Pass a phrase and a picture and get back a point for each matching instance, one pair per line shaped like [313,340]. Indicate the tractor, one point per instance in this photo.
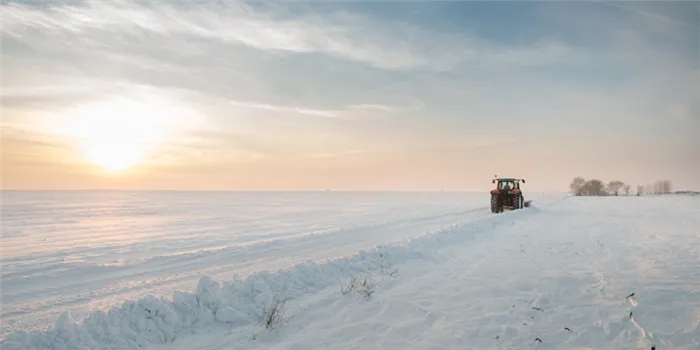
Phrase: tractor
[507,195]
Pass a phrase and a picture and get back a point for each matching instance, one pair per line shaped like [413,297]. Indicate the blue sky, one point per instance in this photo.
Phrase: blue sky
[352,95]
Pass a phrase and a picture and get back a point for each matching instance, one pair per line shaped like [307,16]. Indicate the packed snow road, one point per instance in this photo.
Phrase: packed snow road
[581,273]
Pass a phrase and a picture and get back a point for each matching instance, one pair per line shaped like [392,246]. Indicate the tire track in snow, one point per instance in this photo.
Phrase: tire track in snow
[645,338]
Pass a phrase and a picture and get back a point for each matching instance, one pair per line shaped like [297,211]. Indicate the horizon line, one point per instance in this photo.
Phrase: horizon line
[251,190]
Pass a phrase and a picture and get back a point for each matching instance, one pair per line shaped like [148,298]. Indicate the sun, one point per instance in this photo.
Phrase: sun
[117,143]
[113,156]
[125,132]
[116,135]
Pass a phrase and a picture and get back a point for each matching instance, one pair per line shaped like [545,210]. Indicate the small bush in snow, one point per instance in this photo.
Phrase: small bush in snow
[360,285]
[387,268]
[274,314]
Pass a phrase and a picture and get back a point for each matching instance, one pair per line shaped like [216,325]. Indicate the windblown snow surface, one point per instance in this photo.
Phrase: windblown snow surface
[86,250]
[567,273]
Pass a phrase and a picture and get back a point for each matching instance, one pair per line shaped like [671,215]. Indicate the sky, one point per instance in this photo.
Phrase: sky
[348,95]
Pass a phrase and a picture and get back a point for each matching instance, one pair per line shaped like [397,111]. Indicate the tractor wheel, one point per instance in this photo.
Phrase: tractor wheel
[517,202]
[494,204]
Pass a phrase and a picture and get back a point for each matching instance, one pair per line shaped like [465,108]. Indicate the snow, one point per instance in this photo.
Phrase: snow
[84,250]
[561,272]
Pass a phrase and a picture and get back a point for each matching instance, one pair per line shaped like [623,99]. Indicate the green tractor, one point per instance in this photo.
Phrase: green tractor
[507,195]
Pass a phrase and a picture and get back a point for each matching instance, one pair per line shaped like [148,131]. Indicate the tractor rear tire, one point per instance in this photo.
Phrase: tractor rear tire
[494,203]
[517,202]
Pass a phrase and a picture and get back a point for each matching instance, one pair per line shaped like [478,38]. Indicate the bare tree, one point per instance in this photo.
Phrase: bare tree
[594,187]
[615,186]
[627,189]
[640,190]
[577,186]
[662,187]
[667,186]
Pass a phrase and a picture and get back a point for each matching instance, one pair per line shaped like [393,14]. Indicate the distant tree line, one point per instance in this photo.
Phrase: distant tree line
[658,187]
[582,187]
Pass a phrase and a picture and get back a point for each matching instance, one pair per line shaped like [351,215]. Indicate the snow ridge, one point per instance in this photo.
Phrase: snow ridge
[149,320]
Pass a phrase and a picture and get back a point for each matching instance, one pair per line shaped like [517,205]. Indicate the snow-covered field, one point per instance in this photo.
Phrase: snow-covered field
[80,251]
[554,276]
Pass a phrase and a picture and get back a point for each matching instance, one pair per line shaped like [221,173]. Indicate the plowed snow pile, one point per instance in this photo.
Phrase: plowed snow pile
[580,273]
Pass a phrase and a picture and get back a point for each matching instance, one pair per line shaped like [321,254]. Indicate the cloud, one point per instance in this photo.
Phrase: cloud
[69,94]
[25,139]
[348,112]
[284,109]
[256,59]
[232,22]
[370,107]
[337,34]
[652,15]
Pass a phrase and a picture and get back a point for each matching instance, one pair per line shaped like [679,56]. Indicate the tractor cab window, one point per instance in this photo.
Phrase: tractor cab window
[502,185]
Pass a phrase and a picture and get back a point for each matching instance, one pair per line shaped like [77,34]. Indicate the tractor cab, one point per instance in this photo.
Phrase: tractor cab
[507,184]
